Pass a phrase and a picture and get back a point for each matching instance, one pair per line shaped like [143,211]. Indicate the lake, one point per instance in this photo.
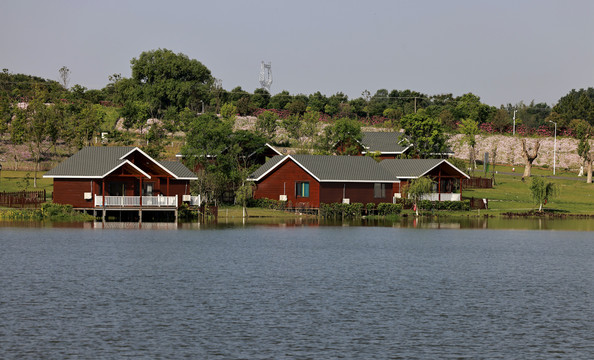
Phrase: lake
[295,291]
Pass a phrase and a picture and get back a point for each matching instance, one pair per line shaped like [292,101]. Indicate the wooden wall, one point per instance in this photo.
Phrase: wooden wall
[355,192]
[71,191]
[287,174]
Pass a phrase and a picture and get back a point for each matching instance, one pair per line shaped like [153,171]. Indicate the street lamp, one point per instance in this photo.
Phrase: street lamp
[554,147]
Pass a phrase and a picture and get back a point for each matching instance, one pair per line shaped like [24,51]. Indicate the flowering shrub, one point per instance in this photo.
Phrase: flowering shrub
[281,114]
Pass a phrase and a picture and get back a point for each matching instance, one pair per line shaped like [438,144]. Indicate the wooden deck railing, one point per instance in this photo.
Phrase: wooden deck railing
[22,199]
[134,201]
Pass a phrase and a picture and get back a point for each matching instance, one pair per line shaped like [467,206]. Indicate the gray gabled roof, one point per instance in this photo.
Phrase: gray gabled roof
[180,170]
[384,142]
[414,168]
[96,162]
[326,168]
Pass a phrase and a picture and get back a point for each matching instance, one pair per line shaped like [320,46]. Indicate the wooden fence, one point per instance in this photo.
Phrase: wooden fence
[476,204]
[22,199]
[477,183]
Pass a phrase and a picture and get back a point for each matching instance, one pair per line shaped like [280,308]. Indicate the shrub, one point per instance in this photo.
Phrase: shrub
[389,209]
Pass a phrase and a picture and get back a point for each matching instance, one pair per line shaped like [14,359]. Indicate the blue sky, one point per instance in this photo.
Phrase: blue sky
[503,51]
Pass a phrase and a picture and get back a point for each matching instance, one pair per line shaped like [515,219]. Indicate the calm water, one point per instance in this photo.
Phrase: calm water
[296,292]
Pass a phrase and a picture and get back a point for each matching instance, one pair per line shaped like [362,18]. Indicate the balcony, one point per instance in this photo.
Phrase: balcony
[135,201]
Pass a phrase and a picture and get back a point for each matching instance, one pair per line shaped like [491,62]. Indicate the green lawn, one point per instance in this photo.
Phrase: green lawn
[512,194]
[19,181]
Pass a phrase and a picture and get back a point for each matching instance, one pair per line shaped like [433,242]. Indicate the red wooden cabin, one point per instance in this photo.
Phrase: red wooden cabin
[117,177]
[308,180]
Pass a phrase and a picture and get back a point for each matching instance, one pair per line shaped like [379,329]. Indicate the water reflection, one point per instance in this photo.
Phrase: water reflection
[485,223]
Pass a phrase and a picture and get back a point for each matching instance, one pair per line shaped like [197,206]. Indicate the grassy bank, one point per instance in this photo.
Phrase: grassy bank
[23,180]
[511,194]
[235,212]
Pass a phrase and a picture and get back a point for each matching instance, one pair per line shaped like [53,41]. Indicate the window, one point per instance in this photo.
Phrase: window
[302,189]
[379,191]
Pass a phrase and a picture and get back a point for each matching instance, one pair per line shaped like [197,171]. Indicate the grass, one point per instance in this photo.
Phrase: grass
[23,180]
[236,212]
[511,194]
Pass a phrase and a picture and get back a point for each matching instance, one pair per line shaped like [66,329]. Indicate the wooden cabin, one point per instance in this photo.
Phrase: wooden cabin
[123,178]
[446,177]
[308,180]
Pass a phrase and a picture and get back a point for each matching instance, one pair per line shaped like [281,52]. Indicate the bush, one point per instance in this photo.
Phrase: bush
[384,209]
[267,204]
[335,210]
[445,205]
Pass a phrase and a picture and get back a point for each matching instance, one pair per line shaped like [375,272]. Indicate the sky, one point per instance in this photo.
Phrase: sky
[504,51]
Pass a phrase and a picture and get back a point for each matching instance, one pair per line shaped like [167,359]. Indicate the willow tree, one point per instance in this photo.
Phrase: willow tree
[542,191]
[418,188]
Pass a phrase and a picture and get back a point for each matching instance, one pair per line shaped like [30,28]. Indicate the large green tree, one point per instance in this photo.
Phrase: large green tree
[425,134]
[37,126]
[166,79]
[577,105]
[344,137]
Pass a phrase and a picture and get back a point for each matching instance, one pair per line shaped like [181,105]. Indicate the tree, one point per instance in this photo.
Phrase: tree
[469,128]
[583,132]
[244,193]
[260,98]
[156,140]
[297,107]
[207,140]
[470,106]
[228,113]
[280,100]
[333,104]
[316,102]
[37,126]
[266,123]
[529,156]
[5,114]
[417,188]
[344,136]
[501,120]
[89,121]
[424,133]
[309,125]
[577,105]
[292,124]
[135,114]
[542,191]
[167,79]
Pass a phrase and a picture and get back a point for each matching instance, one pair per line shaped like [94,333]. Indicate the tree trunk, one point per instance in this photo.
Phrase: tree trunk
[589,170]
[472,159]
[529,157]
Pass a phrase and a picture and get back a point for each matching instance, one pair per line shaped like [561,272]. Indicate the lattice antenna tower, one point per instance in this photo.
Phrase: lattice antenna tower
[266,75]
